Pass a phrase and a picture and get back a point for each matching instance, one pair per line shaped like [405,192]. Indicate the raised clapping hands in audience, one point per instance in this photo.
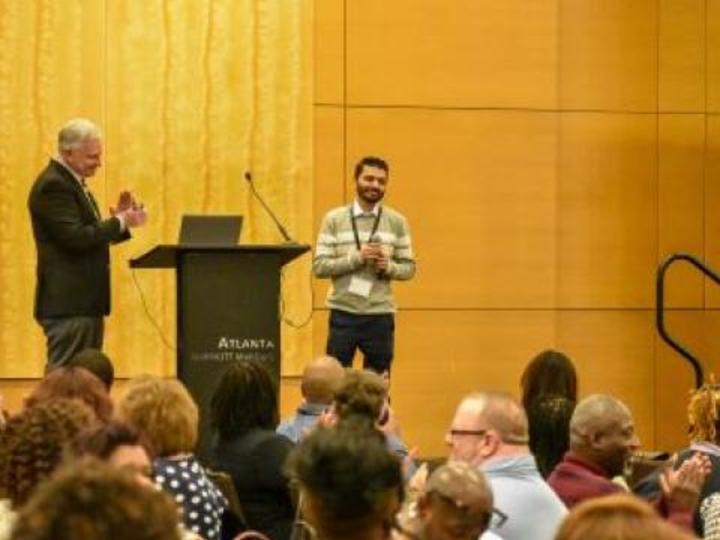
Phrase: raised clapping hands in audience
[681,486]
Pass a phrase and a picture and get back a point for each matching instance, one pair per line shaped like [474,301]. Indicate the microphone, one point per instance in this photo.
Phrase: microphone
[282,230]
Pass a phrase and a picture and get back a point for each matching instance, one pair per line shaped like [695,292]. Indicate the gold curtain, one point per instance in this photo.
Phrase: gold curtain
[189,94]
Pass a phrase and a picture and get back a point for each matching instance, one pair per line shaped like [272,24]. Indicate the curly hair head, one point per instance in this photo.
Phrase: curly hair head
[74,383]
[703,413]
[164,410]
[33,444]
[350,481]
[245,399]
[90,500]
[360,393]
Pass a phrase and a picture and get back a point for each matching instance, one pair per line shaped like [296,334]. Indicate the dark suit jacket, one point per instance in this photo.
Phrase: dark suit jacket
[73,255]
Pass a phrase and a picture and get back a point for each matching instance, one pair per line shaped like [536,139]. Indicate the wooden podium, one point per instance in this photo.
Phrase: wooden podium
[228,309]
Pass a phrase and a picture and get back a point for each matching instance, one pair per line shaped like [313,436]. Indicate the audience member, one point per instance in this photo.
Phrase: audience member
[489,431]
[120,445]
[244,413]
[320,379]
[164,410]
[549,395]
[457,504]
[97,363]
[703,414]
[351,486]
[33,443]
[73,383]
[31,448]
[365,394]
[93,501]
[617,517]
[549,430]
[602,438]
[550,372]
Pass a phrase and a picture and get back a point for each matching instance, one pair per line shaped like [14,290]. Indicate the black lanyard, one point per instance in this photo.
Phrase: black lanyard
[355,229]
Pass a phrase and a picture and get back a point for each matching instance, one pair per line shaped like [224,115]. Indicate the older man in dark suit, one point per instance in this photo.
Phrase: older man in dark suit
[72,239]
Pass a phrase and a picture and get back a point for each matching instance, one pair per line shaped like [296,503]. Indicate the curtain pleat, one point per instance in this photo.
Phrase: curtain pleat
[189,94]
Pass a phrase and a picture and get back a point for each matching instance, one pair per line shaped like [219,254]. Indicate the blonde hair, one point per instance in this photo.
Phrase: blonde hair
[617,517]
[703,412]
[164,410]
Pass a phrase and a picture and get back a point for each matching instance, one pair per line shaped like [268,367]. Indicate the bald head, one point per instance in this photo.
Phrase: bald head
[602,431]
[595,414]
[320,379]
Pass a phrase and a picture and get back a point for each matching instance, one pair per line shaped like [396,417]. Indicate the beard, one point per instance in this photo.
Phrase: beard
[370,196]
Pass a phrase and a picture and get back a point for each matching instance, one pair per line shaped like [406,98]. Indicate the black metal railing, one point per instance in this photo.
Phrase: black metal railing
[660,309]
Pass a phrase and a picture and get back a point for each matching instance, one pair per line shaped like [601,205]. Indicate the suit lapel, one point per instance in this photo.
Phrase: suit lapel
[84,198]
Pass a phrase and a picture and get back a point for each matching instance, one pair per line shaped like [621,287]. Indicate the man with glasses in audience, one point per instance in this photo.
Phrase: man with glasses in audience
[490,431]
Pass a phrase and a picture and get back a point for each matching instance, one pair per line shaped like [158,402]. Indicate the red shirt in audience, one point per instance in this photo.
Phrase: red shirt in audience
[575,479]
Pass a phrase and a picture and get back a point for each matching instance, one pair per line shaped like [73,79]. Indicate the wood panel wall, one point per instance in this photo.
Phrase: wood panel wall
[548,155]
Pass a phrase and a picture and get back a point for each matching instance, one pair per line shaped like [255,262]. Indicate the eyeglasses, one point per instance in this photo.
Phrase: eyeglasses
[459,432]
[498,518]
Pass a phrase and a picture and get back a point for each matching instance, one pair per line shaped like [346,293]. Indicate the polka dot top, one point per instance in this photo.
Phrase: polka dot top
[201,501]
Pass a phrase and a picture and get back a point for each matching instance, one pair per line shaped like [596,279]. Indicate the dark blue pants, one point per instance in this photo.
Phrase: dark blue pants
[374,335]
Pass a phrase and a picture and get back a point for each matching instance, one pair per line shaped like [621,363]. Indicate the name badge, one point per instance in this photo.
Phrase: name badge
[360,286]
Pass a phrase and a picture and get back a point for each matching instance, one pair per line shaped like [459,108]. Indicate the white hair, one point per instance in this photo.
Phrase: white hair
[75,132]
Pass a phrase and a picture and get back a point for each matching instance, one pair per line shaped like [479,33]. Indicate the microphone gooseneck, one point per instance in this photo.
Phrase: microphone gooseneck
[248,177]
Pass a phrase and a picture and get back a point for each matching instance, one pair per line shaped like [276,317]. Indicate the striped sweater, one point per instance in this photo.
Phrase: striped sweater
[337,257]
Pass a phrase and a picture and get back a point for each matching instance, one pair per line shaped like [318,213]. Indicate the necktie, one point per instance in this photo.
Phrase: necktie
[93,202]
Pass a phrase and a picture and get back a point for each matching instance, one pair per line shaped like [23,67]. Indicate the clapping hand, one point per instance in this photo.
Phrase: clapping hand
[131,211]
[135,216]
[681,486]
[125,202]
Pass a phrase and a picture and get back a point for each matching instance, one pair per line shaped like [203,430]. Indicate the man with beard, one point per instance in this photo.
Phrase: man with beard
[362,247]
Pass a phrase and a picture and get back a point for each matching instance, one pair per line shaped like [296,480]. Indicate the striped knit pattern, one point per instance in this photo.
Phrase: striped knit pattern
[337,257]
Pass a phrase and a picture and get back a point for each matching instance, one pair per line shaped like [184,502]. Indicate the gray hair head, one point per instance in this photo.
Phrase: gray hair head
[75,132]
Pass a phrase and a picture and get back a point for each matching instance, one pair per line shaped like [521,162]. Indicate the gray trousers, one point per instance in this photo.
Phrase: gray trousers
[67,336]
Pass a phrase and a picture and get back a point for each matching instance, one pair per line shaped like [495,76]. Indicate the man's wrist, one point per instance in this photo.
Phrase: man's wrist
[121,219]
